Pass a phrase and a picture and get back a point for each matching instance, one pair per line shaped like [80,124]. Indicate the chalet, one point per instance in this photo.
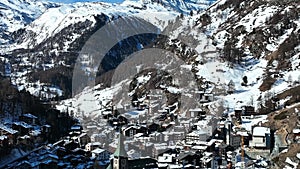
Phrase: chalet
[22,127]
[122,120]
[133,130]
[11,134]
[173,136]
[209,144]
[197,135]
[118,121]
[195,113]
[99,137]
[76,130]
[82,139]
[188,158]
[159,148]
[92,146]
[28,118]
[209,125]
[153,127]
[46,128]
[260,137]
[208,161]
[165,160]
[24,140]
[156,137]
[248,110]
[101,154]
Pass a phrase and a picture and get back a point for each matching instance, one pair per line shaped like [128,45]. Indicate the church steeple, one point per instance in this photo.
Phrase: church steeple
[120,160]
[120,151]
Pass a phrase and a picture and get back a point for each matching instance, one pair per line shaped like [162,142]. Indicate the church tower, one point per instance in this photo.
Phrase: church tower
[120,160]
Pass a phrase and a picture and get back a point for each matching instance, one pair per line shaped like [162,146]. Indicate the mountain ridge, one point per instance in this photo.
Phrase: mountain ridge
[246,53]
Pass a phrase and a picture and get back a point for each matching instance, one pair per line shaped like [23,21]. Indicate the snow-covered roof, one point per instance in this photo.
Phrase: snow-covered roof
[290,162]
[3,137]
[296,131]
[298,156]
[173,166]
[30,116]
[23,124]
[242,133]
[94,144]
[9,130]
[197,133]
[165,158]
[138,135]
[35,132]
[199,147]
[195,110]
[47,125]
[261,131]
[91,127]
[98,151]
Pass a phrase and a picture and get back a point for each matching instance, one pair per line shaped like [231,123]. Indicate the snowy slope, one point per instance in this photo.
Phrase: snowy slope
[224,21]
[15,14]
[257,32]
[51,29]
[55,19]
[186,6]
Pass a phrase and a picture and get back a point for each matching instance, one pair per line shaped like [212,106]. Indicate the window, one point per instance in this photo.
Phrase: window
[131,133]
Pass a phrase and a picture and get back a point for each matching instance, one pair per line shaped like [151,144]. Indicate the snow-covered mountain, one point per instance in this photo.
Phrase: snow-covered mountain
[16,14]
[62,29]
[55,19]
[242,38]
[188,5]
[245,52]
[256,40]
[249,36]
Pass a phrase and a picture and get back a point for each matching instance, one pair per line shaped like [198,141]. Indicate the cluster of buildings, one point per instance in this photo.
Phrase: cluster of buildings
[194,139]
[73,151]
[25,132]
[149,137]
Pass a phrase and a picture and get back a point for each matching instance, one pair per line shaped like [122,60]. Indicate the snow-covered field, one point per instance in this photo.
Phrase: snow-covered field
[214,69]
